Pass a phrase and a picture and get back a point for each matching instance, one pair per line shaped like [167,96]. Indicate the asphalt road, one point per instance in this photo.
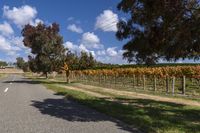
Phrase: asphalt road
[27,107]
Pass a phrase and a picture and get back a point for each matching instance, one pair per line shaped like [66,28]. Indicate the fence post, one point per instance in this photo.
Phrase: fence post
[133,81]
[144,82]
[167,84]
[183,85]
[115,81]
[124,83]
[99,79]
[105,79]
[173,84]
[154,85]
[137,80]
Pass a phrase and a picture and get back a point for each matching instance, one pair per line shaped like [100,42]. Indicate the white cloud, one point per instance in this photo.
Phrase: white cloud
[71,46]
[70,18]
[93,54]
[83,48]
[17,41]
[75,48]
[90,37]
[75,28]
[7,47]
[90,40]
[36,22]
[20,16]
[112,51]
[101,52]
[6,29]
[107,21]
[28,51]
[4,44]
[110,55]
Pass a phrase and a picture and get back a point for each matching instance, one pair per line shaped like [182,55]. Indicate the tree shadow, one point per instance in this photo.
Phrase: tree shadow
[147,115]
[151,115]
[39,81]
[72,111]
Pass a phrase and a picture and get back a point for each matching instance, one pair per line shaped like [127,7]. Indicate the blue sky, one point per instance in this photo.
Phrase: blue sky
[87,25]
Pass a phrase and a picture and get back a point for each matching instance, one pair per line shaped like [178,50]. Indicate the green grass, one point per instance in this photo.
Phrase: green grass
[2,75]
[147,115]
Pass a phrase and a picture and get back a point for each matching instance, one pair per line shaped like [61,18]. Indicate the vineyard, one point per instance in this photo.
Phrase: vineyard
[180,80]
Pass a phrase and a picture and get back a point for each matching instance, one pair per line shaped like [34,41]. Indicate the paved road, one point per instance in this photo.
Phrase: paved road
[27,107]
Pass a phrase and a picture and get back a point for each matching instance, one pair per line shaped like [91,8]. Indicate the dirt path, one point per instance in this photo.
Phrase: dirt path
[85,91]
[102,92]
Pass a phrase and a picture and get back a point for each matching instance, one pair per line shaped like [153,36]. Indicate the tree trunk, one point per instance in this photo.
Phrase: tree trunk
[67,77]
[154,85]
[46,74]
[167,84]
[183,85]
[144,82]
[173,85]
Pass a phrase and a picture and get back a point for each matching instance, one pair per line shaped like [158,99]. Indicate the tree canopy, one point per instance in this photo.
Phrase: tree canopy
[46,46]
[160,29]
[20,62]
[3,63]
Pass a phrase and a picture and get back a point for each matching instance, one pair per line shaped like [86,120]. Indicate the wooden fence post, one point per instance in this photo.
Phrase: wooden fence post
[167,84]
[137,80]
[105,77]
[133,81]
[144,82]
[183,85]
[173,84]
[154,85]
[115,81]
[99,79]
[124,84]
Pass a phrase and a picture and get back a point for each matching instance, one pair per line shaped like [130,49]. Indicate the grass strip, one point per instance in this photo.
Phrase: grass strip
[147,115]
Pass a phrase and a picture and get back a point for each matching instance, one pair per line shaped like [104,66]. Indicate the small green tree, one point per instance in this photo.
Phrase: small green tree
[92,61]
[72,60]
[20,62]
[86,61]
[3,63]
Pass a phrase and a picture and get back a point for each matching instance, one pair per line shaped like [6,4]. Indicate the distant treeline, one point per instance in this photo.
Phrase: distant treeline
[111,66]
[3,63]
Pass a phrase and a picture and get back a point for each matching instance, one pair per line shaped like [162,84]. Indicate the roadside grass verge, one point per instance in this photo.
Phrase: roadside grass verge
[147,115]
[2,75]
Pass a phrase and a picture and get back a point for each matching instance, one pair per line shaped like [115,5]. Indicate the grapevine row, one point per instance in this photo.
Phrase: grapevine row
[188,71]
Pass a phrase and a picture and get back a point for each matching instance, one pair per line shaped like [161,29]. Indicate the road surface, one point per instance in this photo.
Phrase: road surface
[27,107]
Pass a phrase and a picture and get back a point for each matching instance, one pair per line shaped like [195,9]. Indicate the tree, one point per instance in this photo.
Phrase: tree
[46,46]
[86,61]
[32,64]
[92,61]
[25,67]
[20,62]
[3,63]
[72,60]
[160,29]
[65,68]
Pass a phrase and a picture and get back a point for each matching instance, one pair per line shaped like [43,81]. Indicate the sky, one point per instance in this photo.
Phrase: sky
[86,25]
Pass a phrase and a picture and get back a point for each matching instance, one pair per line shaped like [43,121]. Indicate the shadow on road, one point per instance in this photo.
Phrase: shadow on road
[72,111]
[27,81]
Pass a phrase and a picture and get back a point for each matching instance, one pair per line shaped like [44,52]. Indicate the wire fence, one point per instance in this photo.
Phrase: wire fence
[183,86]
